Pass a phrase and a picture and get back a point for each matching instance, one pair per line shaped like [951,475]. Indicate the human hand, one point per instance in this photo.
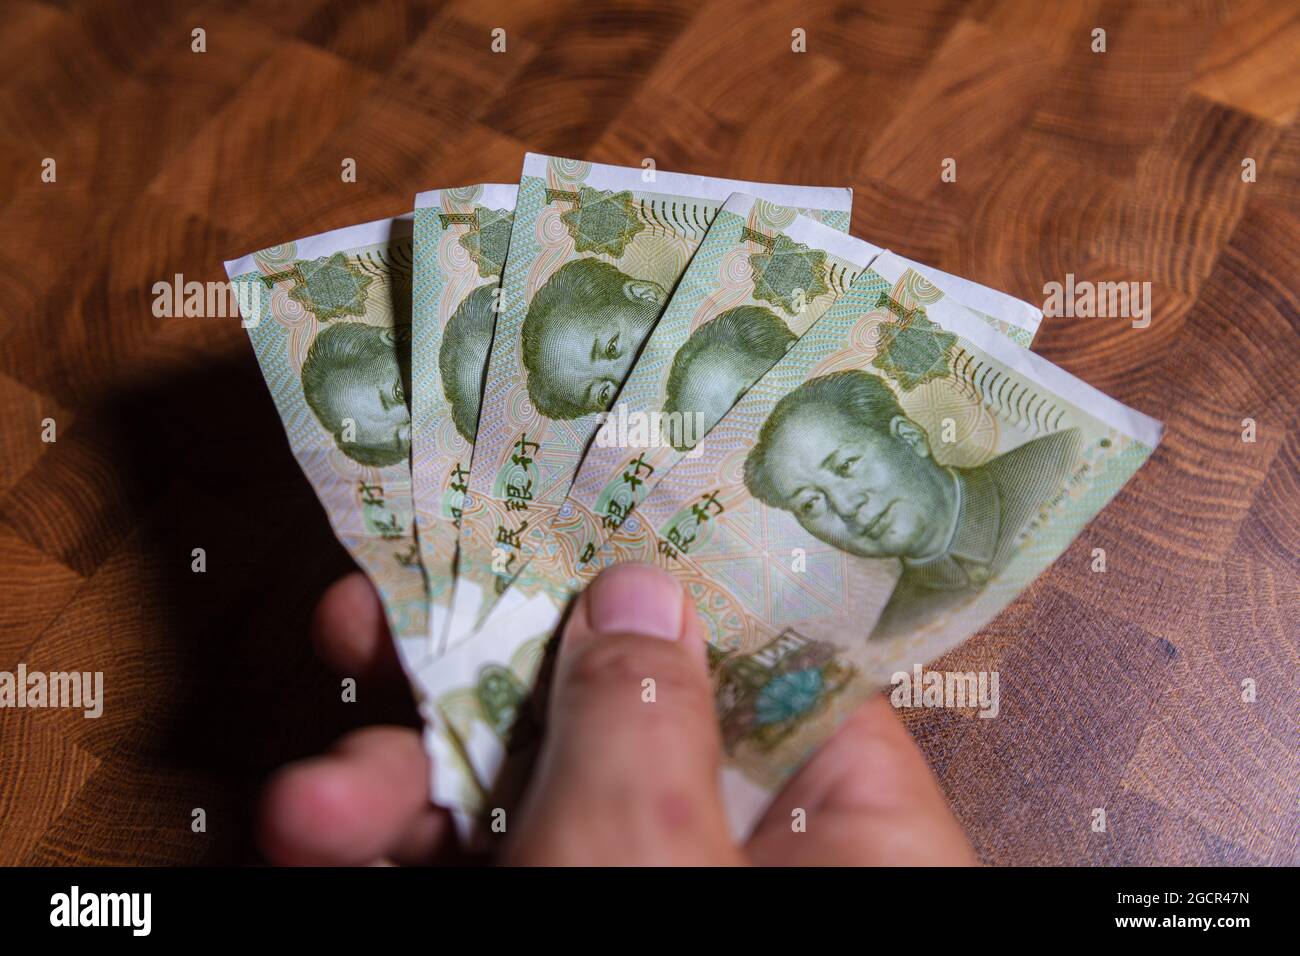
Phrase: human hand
[618,781]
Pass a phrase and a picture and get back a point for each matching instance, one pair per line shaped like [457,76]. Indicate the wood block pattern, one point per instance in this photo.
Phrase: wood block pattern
[1121,690]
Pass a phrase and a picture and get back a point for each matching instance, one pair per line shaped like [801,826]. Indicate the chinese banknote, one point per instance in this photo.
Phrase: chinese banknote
[852,462]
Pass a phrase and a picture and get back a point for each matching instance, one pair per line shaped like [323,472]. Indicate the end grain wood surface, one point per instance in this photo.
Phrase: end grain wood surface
[1121,690]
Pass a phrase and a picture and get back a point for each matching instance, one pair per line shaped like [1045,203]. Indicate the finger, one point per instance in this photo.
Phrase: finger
[366,800]
[628,772]
[867,798]
[350,631]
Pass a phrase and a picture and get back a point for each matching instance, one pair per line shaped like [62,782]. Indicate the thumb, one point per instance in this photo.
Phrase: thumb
[628,773]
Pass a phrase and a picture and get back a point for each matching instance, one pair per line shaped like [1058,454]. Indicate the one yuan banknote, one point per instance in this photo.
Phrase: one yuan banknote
[889,485]
[595,252]
[329,318]
[460,242]
[762,276]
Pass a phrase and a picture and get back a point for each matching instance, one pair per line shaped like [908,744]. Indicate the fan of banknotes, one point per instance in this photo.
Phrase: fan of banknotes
[850,460]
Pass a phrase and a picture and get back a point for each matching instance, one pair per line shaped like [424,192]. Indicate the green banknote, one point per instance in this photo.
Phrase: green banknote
[460,243]
[594,253]
[329,319]
[886,488]
[761,277]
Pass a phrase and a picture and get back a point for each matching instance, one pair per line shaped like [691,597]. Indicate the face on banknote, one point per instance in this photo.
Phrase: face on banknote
[888,486]
[594,253]
[329,319]
[762,276]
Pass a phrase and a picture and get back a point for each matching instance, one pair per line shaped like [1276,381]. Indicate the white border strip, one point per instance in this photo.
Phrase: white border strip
[496,195]
[499,195]
[336,240]
[839,244]
[982,298]
[739,204]
[810,232]
[829,198]
[955,317]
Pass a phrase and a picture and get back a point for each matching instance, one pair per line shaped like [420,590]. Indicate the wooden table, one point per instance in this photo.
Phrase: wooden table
[1121,690]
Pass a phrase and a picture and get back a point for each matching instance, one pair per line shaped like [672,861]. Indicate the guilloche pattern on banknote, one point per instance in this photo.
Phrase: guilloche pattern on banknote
[460,242]
[595,252]
[877,497]
[760,278]
[740,254]
[329,320]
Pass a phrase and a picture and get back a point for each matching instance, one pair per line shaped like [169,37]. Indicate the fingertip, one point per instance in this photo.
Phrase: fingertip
[635,599]
[366,800]
[350,631]
[874,798]
[882,768]
[301,807]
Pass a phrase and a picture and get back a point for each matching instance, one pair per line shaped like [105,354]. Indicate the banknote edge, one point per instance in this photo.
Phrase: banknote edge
[810,232]
[605,176]
[335,240]
[494,194]
[954,316]
[982,298]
